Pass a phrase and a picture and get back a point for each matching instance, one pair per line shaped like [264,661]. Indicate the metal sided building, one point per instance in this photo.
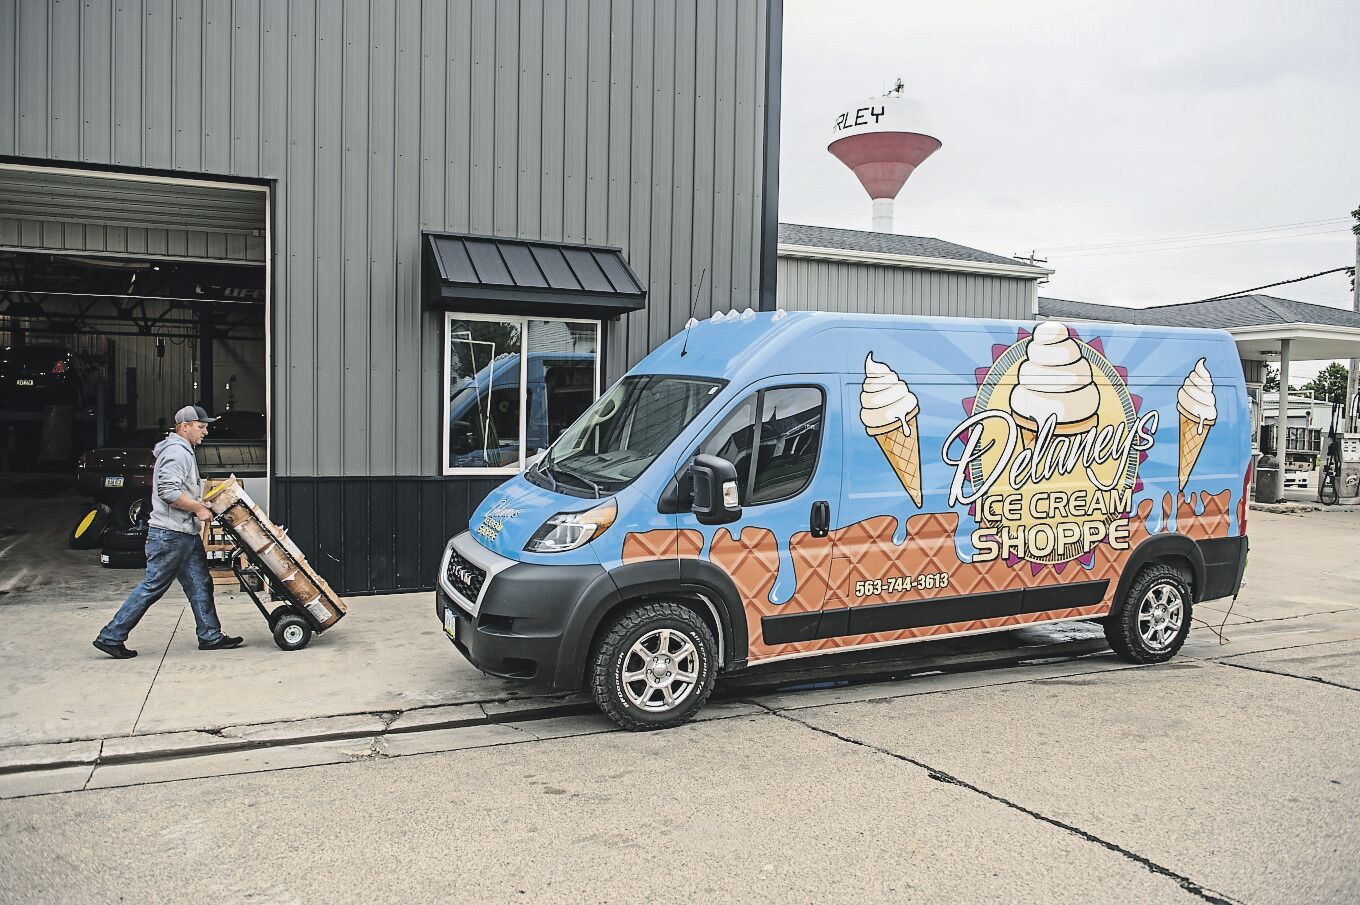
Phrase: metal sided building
[419,235]
[825,269]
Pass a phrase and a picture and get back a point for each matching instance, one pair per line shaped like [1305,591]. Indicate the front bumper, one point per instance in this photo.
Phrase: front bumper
[521,626]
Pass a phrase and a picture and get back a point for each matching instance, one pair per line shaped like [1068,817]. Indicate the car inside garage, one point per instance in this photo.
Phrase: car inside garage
[122,299]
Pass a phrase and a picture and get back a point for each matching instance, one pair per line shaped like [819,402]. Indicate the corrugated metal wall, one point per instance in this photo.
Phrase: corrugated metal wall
[637,124]
[807,284]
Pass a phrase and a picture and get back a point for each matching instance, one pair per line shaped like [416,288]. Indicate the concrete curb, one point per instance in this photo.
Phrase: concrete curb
[1298,508]
[163,746]
[194,743]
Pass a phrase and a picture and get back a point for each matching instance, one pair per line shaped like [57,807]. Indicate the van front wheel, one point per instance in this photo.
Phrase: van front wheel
[1153,620]
[654,668]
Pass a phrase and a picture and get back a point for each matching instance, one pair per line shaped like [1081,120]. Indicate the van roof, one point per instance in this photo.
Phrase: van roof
[744,347]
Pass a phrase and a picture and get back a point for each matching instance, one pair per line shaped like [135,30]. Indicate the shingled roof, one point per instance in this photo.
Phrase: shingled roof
[886,244]
[1219,314]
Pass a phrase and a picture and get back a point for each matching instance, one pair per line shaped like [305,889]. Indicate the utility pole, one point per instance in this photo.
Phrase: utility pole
[1351,403]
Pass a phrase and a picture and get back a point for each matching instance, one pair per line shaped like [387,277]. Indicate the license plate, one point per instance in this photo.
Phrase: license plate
[113,482]
[451,624]
[23,383]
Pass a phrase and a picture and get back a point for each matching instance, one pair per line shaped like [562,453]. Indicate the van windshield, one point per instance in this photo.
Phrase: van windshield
[622,433]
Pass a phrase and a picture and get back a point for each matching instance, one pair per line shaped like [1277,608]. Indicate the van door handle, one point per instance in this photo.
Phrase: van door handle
[820,520]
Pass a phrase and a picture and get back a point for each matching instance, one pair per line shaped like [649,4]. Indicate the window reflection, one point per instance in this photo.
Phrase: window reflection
[484,397]
[561,378]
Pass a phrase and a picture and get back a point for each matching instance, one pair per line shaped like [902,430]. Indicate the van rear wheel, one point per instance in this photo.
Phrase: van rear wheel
[654,668]
[1153,620]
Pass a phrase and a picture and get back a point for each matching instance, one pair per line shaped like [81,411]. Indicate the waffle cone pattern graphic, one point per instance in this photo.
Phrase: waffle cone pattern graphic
[903,452]
[866,549]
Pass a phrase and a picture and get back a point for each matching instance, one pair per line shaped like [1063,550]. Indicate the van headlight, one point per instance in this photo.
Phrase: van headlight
[569,530]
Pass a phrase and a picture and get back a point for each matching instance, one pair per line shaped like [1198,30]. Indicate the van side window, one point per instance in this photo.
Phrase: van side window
[790,434]
[781,429]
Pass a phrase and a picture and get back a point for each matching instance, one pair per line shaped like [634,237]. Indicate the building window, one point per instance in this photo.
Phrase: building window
[512,386]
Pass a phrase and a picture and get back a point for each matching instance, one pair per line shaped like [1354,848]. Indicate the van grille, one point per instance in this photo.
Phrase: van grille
[464,577]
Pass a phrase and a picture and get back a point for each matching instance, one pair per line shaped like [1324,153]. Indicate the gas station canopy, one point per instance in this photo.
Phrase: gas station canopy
[1258,323]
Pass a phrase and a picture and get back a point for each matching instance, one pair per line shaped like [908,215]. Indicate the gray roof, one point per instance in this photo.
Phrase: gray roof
[1220,314]
[886,243]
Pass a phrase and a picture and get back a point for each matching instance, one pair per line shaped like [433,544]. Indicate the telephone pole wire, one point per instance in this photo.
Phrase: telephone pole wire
[1351,380]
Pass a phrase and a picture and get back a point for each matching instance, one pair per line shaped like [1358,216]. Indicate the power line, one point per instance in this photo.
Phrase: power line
[1189,245]
[1311,276]
[1302,224]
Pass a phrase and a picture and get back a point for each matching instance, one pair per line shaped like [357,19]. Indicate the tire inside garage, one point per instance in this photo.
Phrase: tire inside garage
[123,297]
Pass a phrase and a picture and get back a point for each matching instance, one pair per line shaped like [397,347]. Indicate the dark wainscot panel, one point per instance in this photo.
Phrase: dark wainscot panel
[377,535]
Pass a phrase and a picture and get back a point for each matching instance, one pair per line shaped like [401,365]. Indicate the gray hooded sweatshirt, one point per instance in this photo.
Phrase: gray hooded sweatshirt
[176,474]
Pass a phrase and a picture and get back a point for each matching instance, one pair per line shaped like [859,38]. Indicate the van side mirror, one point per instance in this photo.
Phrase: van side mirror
[460,437]
[716,499]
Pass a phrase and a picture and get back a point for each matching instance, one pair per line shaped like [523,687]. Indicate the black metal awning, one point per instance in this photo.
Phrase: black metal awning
[517,276]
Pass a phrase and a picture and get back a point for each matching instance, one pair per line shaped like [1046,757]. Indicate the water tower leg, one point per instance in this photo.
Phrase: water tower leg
[883,215]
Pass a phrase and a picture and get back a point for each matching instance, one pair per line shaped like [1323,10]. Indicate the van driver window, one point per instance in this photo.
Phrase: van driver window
[732,441]
[790,433]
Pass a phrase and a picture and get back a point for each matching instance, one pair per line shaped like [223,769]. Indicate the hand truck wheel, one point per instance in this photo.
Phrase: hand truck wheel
[291,631]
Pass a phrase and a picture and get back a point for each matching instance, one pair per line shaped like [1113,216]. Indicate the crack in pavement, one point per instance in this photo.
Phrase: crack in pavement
[1289,675]
[1272,650]
[1181,880]
[150,688]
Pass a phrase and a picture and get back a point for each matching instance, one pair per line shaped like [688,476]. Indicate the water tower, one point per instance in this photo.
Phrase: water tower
[881,139]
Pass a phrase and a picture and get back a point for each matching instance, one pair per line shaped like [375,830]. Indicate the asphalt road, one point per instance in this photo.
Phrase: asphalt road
[1200,780]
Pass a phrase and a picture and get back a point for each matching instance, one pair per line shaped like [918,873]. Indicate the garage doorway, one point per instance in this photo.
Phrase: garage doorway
[122,298]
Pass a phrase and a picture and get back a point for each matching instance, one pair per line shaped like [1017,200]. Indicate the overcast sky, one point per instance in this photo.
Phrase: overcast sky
[1074,124]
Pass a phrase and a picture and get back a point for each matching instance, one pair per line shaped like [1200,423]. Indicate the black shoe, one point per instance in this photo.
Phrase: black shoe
[116,650]
[226,642]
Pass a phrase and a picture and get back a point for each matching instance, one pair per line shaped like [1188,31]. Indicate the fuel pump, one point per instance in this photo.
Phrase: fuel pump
[1340,473]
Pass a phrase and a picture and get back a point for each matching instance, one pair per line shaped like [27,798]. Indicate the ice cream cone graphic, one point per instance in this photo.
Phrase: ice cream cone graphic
[889,410]
[1198,411]
[1055,384]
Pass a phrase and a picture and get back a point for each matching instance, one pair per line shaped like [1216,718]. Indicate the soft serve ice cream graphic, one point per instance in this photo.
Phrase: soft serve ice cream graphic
[1055,382]
[1198,410]
[1047,459]
[888,409]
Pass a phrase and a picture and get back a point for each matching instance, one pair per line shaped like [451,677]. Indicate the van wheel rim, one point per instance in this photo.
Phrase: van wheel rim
[660,670]
[292,634]
[1160,615]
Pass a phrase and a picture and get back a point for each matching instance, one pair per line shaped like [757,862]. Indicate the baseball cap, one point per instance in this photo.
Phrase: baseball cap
[193,413]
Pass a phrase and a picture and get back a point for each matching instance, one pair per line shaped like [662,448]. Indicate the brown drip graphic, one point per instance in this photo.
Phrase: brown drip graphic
[824,581]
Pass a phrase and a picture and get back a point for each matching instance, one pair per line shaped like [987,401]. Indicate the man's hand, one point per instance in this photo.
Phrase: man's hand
[186,503]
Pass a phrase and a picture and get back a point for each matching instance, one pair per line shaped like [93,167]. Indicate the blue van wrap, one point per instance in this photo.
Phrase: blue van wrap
[978,474]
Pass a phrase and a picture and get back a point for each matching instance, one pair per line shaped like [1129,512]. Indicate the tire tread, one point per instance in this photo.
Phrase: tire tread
[601,671]
[1121,628]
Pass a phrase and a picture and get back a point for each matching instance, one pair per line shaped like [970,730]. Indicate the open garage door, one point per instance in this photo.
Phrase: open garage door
[121,300]
[54,210]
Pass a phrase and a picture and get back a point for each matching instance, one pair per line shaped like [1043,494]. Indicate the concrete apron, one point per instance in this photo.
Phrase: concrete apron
[1322,648]
[386,668]
[388,671]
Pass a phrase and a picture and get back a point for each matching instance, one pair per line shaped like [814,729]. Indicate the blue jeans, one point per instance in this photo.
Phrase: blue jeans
[169,555]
